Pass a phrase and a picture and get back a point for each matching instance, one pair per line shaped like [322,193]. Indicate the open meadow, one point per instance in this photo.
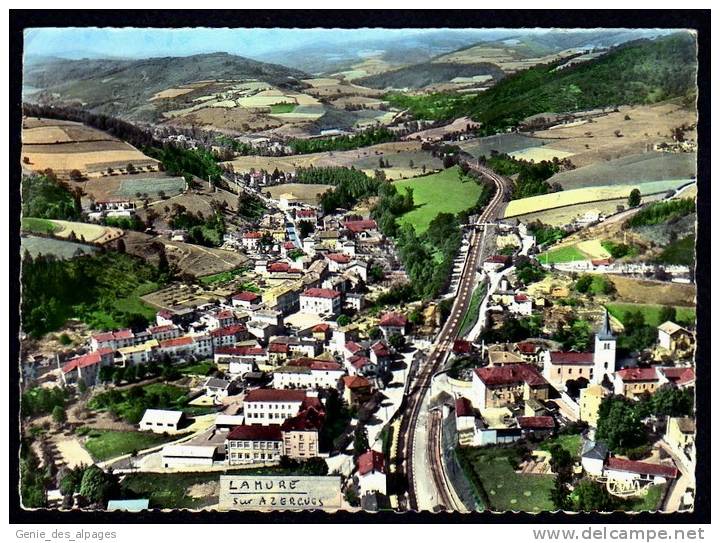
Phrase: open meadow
[36,245]
[502,143]
[442,192]
[638,127]
[306,192]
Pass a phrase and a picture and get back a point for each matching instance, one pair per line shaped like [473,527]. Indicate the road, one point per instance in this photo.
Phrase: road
[441,348]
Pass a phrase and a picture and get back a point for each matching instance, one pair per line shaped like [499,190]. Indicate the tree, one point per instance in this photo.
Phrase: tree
[593,496]
[75,175]
[361,442]
[619,425]
[97,486]
[121,246]
[59,415]
[635,198]
[70,480]
[375,333]
[343,320]
[397,341]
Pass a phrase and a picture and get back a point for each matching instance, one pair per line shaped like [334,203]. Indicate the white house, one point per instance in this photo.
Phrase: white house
[593,457]
[320,301]
[269,406]
[371,476]
[179,456]
[246,299]
[161,420]
[392,323]
[636,473]
[308,373]
[521,304]
[86,367]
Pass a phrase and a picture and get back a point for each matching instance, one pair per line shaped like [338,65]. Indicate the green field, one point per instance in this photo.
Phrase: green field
[442,192]
[129,404]
[572,443]
[563,254]
[204,367]
[106,444]
[38,226]
[506,490]
[472,314]
[283,107]
[651,312]
[171,186]
[224,277]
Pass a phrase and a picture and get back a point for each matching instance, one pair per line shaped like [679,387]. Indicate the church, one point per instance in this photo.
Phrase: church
[560,367]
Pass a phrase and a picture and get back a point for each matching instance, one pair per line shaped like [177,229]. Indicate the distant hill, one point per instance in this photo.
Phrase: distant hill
[640,72]
[427,73]
[123,87]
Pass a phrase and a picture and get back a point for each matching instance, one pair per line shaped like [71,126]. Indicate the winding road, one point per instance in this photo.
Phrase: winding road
[417,394]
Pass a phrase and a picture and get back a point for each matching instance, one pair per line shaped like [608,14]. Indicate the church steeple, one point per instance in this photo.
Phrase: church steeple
[605,332]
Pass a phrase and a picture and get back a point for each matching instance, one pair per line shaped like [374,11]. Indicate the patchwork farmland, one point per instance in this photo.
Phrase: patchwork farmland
[63,146]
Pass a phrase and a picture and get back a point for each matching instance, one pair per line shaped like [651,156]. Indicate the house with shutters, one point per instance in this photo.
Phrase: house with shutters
[502,386]
[267,406]
[86,367]
[393,323]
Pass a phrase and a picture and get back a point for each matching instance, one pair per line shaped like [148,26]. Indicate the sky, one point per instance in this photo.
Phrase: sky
[144,42]
[251,42]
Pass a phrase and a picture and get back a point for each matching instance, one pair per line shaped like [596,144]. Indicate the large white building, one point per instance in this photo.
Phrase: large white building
[269,406]
[320,301]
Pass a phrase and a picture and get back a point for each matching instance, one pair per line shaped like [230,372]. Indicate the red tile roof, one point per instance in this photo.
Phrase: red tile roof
[252,235]
[497,259]
[536,422]
[246,432]
[338,257]
[231,330]
[279,267]
[162,328]
[507,375]
[176,342]
[571,358]
[462,346]
[638,374]
[354,347]
[679,376]
[371,461]
[288,245]
[641,468]
[305,213]
[360,226]
[124,334]
[307,420]
[463,407]
[355,381]
[316,364]
[521,298]
[165,314]
[117,334]
[358,361]
[527,347]
[281,348]
[86,360]
[393,319]
[224,314]
[275,395]
[322,327]
[380,349]
[601,261]
[246,296]
[321,293]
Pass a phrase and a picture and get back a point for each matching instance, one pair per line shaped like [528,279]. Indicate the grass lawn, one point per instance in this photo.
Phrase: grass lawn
[283,107]
[572,443]
[680,252]
[651,312]
[563,254]
[130,403]
[204,367]
[106,444]
[506,490]
[471,316]
[38,226]
[649,502]
[442,192]
[133,304]
[224,277]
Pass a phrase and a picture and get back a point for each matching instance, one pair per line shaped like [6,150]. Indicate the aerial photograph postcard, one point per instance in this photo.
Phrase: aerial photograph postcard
[445,270]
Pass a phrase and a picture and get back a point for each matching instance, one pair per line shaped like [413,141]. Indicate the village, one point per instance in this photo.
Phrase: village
[307,371]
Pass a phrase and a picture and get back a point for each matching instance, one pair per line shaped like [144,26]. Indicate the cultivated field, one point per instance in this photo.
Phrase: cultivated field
[194,260]
[94,233]
[585,195]
[308,193]
[639,291]
[441,192]
[583,250]
[652,166]
[127,187]
[565,215]
[597,142]
[651,313]
[538,154]
[458,125]
[63,146]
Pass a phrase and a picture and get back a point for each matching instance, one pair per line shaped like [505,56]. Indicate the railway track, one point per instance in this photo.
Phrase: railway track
[417,393]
